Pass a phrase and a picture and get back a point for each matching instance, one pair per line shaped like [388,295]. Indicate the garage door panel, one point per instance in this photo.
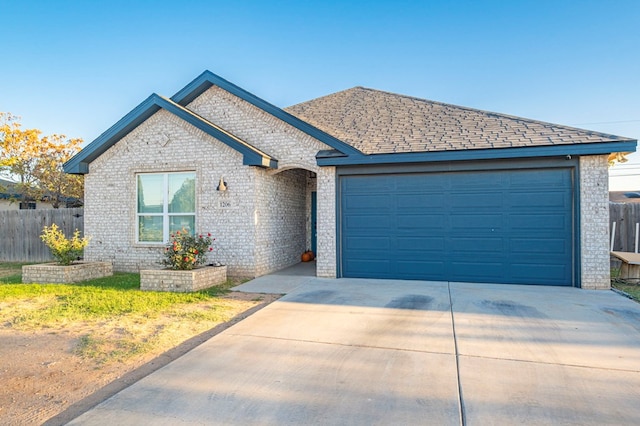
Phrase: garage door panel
[476,221]
[420,222]
[367,202]
[421,244]
[539,178]
[427,184]
[369,222]
[509,226]
[536,246]
[547,223]
[478,199]
[410,269]
[463,181]
[370,268]
[543,273]
[479,246]
[554,201]
[362,184]
[368,242]
[474,271]
[420,201]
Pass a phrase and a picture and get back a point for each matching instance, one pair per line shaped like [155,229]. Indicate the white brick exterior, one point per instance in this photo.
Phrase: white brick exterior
[294,150]
[182,281]
[594,222]
[261,223]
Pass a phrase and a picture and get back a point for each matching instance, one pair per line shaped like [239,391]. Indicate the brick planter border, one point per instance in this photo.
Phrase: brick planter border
[63,274]
[182,281]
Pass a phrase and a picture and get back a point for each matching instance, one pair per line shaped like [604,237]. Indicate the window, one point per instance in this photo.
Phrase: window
[29,205]
[166,203]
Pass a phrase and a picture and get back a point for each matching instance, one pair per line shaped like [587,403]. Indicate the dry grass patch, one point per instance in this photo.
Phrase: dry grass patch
[63,342]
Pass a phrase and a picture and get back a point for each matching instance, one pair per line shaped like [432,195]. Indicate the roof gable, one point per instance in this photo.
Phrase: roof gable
[207,79]
[388,127]
[79,164]
[366,126]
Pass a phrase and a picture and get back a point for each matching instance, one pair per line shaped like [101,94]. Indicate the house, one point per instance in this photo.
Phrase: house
[624,197]
[10,199]
[377,184]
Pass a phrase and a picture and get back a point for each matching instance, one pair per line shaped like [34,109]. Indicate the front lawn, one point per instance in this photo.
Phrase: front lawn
[62,342]
[112,317]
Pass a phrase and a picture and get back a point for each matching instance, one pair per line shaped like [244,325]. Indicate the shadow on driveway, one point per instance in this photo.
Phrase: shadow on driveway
[357,351]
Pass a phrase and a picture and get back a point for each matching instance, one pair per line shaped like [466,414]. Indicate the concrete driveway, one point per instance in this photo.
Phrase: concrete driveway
[363,352]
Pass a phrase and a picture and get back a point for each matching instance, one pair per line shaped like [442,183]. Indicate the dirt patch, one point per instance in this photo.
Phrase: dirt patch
[43,377]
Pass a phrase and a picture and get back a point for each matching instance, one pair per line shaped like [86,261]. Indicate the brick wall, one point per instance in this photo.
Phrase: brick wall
[282,231]
[164,143]
[594,222]
[261,223]
[183,281]
[326,262]
[293,149]
[76,272]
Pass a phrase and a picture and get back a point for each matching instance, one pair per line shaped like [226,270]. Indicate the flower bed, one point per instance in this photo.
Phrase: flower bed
[62,274]
[182,281]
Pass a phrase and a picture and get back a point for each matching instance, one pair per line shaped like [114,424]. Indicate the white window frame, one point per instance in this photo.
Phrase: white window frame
[165,207]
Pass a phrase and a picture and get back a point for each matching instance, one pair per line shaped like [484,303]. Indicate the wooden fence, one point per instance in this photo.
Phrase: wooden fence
[20,232]
[625,216]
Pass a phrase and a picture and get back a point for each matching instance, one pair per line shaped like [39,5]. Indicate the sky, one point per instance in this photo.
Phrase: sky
[77,67]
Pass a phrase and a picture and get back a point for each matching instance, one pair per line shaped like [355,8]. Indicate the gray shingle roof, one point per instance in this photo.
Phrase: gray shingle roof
[377,122]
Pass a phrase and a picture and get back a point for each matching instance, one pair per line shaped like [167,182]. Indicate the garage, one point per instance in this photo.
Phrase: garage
[512,226]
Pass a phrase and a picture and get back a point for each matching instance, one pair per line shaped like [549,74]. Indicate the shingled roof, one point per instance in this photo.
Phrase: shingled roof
[377,122]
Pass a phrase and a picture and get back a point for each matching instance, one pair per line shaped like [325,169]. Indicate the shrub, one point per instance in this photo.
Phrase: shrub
[62,249]
[186,251]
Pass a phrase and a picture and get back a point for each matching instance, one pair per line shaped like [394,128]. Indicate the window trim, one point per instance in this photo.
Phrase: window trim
[165,214]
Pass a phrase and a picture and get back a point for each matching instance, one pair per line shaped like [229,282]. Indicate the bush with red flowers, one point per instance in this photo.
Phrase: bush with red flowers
[186,251]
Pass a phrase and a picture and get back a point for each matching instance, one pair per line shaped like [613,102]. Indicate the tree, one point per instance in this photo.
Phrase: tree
[36,162]
[20,152]
[51,178]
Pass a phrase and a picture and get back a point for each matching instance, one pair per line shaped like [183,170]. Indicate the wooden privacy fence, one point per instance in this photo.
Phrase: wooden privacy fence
[622,226]
[20,232]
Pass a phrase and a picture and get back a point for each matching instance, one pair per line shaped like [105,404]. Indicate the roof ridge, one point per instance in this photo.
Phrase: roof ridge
[485,112]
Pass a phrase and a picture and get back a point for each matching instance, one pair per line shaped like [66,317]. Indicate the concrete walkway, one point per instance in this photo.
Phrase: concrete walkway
[363,352]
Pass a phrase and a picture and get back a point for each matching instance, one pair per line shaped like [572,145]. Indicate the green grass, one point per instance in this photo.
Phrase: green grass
[631,287]
[96,299]
[11,272]
[632,290]
[115,319]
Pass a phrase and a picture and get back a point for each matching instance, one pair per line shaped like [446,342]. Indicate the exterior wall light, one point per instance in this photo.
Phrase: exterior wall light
[222,185]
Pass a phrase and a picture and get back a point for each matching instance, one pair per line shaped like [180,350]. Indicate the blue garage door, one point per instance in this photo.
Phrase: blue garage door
[513,226]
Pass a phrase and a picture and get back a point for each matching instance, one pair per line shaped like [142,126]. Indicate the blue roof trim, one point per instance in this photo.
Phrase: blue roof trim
[479,154]
[207,79]
[252,155]
[79,164]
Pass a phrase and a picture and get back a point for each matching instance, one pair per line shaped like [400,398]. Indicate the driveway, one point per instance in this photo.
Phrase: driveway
[363,352]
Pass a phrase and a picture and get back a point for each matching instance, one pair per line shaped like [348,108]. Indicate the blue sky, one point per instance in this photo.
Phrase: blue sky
[76,67]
